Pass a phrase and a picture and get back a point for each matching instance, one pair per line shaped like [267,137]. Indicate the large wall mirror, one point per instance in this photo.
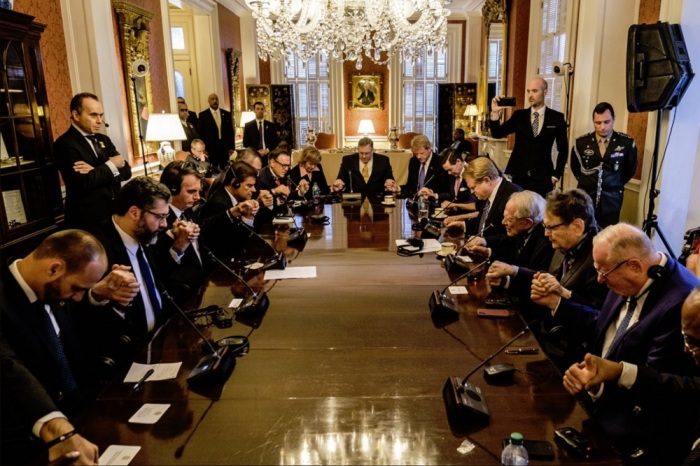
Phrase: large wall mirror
[493,72]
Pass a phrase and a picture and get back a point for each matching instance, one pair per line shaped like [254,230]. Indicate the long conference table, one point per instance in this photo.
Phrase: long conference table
[345,368]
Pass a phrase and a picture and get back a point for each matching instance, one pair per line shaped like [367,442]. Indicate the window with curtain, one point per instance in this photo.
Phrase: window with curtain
[311,86]
[495,56]
[419,88]
[553,35]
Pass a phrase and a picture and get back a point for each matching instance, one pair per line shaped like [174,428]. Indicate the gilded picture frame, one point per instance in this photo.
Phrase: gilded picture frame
[366,92]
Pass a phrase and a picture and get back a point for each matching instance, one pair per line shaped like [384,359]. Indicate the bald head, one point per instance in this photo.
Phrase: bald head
[213,101]
[536,91]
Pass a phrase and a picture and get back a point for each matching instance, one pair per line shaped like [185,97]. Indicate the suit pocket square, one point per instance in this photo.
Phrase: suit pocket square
[553,127]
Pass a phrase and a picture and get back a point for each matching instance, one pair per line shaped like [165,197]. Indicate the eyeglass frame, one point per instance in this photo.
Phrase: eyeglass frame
[554,227]
[604,275]
[159,217]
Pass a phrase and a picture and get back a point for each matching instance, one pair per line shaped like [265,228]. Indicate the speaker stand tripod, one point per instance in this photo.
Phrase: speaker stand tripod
[651,222]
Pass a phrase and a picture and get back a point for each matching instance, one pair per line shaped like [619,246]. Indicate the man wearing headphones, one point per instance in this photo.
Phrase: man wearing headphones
[639,322]
[228,215]
[191,264]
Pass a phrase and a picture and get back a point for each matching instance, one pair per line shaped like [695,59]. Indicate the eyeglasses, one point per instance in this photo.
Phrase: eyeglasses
[550,228]
[507,219]
[281,164]
[691,343]
[605,274]
[159,217]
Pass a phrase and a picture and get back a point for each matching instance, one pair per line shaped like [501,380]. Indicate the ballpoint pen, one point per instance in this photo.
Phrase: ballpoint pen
[140,383]
[531,350]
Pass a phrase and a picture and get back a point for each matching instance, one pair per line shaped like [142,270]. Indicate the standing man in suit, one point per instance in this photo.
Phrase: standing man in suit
[189,129]
[38,296]
[191,116]
[91,167]
[365,171]
[536,129]
[492,192]
[603,162]
[260,134]
[461,145]
[672,400]
[216,130]
[639,322]
[424,170]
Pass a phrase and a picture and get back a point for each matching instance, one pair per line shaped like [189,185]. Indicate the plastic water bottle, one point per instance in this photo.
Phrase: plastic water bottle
[316,193]
[514,453]
[422,209]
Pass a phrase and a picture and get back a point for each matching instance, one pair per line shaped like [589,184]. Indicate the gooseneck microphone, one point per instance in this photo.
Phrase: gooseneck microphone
[464,401]
[214,368]
[255,305]
[277,261]
[443,308]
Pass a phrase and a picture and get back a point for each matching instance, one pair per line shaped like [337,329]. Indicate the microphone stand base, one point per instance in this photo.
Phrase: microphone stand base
[454,265]
[443,311]
[211,370]
[251,313]
[464,403]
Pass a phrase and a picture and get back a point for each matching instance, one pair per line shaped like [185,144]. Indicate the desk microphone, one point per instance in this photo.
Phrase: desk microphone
[296,233]
[277,261]
[352,195]
[214,368]
[464,401]
[254,306]
[444,307]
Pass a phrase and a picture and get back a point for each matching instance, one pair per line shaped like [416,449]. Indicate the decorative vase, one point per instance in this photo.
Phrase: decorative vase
[393,138]
[310,137]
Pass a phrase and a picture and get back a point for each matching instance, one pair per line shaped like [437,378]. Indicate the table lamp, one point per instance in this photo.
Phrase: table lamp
[366,127]
[165,127]
[472,111]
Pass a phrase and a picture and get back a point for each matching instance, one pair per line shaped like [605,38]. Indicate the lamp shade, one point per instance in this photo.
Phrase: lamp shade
[245,118]
[472,110]
[366,127]
[164,127]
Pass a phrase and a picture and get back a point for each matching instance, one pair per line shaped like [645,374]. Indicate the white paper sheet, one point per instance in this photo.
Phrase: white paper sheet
[291,272]
[161,371]
[118,454]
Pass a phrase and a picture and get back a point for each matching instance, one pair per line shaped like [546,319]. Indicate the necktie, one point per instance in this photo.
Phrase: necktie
[566,264]
[365,172]
[66,377]
[96,146]
[535,124]
[602,146]
[421,176]
[150,283]
[217,118]
[262,138]
[458,181]
[631,306]
[482,219]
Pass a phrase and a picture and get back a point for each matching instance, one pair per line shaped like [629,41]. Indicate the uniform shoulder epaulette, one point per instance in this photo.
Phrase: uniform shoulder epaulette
[587,135]
[624,135]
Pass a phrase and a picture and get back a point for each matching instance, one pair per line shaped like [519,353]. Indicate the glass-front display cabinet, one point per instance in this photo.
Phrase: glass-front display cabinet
[29,182]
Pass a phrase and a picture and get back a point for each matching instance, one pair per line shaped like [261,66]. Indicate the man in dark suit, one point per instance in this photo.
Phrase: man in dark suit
[38,295]
[536,129]
[140,214]
[189,129]
[216,130]
[603,162]
[185,273]
[639,322]
[91,167]
[228,216]
[524,243]
[461,145]
[191,116]
[458,198]
[424,170]
[267,141]
[670,403]
[492,192]
[365,172]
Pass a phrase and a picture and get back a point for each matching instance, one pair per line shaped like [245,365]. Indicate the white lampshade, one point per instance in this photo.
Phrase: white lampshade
[245,118]
[472,110]
[164,127]
[366,127]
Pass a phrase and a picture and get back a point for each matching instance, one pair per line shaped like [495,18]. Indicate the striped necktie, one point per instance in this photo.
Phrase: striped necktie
[535,124]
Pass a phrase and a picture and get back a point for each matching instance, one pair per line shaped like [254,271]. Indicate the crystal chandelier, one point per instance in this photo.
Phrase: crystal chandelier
[349,29]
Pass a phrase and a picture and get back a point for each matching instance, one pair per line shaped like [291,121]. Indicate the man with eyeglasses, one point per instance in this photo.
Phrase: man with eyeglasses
[674,399]
[639,322]
[140,214]
[273,179]
[189,128]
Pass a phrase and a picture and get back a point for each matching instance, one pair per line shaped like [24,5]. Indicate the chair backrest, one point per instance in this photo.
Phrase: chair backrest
[405,140]
[325,141]
[181,155]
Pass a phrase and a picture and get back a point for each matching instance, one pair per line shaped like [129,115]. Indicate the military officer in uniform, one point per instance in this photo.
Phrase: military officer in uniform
[603,161]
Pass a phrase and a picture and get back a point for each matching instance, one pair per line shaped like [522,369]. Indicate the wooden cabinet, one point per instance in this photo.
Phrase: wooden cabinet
[29,183]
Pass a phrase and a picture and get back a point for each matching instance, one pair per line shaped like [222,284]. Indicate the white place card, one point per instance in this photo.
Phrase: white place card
[118,454]
[149,413]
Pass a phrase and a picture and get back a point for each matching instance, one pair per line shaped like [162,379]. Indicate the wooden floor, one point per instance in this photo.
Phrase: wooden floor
[346,368]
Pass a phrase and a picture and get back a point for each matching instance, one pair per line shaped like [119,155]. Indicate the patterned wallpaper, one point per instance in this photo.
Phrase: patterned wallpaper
[55,60]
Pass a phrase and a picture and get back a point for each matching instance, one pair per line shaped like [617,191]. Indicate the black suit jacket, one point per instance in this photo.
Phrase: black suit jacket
[251,135]
[350,170]
[191,134]
[218,148]
[530,164]
[535,254]
[225,236]
[89,196]
[494,219]
[436,178]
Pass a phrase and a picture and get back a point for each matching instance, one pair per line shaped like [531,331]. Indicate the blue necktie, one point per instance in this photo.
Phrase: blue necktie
[66,377]
[632,305]
[150,283]
[421,176]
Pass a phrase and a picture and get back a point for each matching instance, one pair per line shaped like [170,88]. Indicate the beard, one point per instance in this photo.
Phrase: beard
[52,292]
[143,234]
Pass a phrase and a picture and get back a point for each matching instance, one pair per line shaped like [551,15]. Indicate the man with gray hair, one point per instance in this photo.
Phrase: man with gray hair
[639,322]
[365,172]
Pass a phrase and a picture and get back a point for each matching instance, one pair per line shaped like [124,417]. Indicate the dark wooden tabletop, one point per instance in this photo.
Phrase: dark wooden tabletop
[345,368]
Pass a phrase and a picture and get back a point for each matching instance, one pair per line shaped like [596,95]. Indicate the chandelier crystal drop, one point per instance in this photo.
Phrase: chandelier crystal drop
[350,29]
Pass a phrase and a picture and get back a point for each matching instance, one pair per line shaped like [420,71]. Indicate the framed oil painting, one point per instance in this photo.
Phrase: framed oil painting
[366,92]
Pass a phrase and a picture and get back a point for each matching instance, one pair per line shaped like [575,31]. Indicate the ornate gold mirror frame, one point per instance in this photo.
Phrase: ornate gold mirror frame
[134,32]
[493,11]
[233,61]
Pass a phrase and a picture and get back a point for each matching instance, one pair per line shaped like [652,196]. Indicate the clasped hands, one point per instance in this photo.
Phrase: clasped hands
[246,209]
[119,285]
[590,374]
[184,233]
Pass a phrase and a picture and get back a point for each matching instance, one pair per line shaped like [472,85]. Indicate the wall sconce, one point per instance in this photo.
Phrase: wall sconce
[366,127]
[165,127]
[471,112]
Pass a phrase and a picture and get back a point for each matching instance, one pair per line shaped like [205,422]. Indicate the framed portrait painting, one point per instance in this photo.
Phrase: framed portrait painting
[366,92]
